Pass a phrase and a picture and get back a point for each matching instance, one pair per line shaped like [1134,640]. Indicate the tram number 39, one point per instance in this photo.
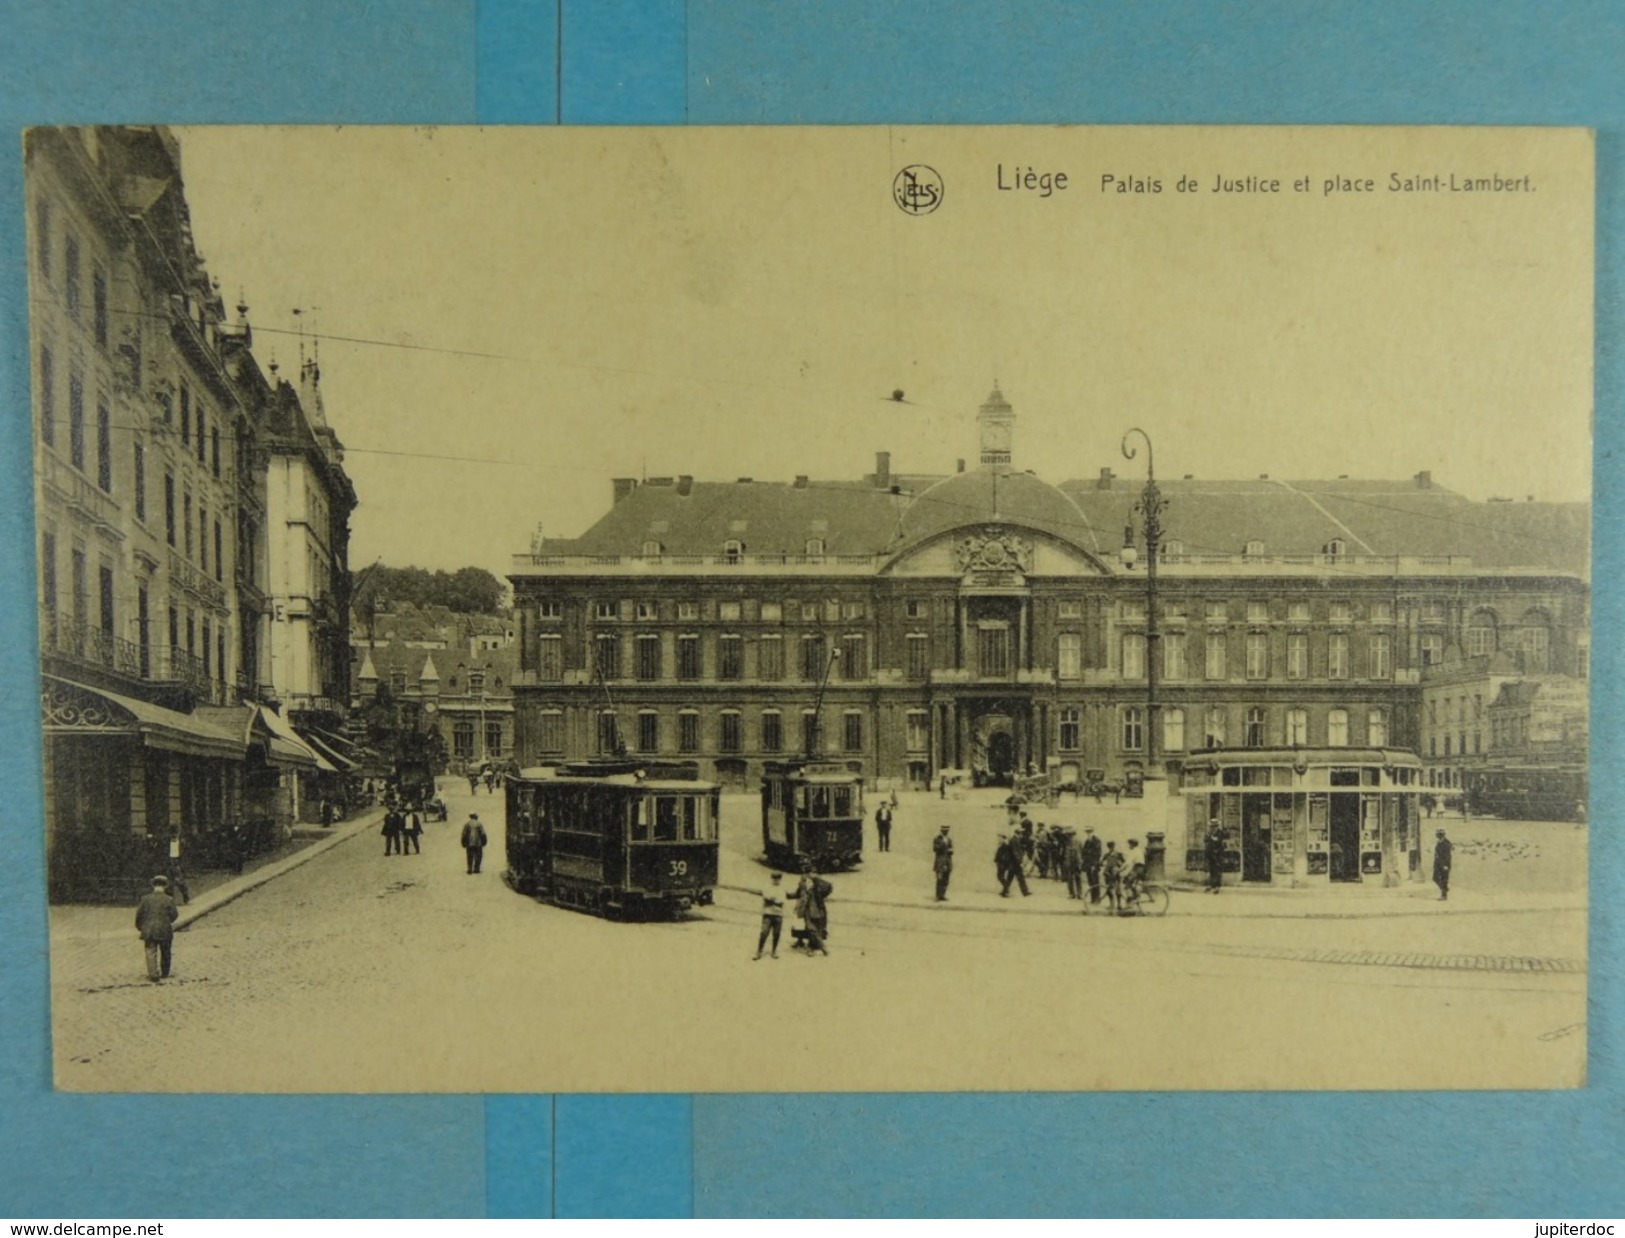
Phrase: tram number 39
[679,868]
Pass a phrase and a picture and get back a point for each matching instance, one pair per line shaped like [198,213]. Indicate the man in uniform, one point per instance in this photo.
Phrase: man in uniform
[1441,864]
[942,862]
[155,918]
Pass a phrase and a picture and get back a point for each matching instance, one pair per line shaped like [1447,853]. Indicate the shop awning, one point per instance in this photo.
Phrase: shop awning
[331,759]
[283,745]
[156,727]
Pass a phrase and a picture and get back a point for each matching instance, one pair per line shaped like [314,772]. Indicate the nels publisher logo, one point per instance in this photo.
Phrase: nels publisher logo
[917,189]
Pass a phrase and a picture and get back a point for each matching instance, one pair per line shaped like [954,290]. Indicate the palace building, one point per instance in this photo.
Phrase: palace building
[988,621]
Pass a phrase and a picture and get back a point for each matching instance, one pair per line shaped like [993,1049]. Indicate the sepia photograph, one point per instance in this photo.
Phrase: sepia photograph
[813,609]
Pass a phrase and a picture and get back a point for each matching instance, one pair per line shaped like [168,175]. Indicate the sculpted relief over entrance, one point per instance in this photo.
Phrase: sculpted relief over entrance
[994,550]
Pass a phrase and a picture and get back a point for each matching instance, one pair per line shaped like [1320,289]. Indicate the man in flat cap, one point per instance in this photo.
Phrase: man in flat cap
[155,918]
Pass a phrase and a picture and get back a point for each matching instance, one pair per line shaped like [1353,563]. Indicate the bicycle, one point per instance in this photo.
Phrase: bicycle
[1144,899]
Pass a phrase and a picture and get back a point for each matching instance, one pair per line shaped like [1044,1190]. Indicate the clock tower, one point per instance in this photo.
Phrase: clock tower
[996,421]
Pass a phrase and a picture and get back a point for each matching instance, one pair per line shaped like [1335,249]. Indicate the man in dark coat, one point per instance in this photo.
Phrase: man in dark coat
[1441,865]
[1091,862]
[1072,863]
[394,823]
[155,918]
[942,862]
[1213,852]
[411,831]
[883,827]
[474,841]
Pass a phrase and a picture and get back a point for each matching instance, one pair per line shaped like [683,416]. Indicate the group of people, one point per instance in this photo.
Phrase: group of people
[809,901]
[403,827]
[1082,861]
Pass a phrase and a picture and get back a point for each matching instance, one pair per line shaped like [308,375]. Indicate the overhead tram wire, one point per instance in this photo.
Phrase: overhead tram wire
[753,383]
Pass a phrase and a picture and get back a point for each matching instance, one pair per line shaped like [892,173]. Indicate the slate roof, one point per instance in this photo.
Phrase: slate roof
[1371,517]
[1408,518]
[445,664]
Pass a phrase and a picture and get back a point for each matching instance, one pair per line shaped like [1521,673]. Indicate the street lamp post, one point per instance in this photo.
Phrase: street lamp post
[1149,509]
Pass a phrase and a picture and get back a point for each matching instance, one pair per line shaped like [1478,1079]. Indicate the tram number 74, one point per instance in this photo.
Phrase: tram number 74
[679,868]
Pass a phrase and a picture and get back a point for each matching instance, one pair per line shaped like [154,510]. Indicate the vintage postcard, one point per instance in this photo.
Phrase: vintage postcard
[835,609]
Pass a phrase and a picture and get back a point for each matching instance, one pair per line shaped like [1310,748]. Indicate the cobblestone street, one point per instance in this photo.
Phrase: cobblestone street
[357,971]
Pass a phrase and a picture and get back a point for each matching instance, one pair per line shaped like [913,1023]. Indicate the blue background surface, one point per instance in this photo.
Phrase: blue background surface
[667,62]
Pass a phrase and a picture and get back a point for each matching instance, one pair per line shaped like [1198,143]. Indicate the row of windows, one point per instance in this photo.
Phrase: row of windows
[646,734]
[72,272]
[1259,730]
[198,637]
[1176,665]
[847,657]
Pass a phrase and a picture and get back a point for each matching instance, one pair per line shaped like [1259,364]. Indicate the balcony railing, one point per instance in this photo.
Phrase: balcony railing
[194,581]
[60,480]
[155,664]
[690,565]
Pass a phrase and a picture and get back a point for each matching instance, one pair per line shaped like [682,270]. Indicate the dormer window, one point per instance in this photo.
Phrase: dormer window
[815,547]
[652,549]
[1336,548]
[1172,549]
[1255,549]
[733,551]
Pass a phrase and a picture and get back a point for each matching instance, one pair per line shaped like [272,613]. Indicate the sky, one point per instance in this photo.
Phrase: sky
[507,319]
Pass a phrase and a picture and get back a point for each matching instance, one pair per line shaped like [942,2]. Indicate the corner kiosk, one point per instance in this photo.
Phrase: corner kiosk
[1306,816]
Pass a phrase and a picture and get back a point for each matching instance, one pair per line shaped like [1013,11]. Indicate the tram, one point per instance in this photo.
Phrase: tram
[812,811]
[617,837]
[1555,792]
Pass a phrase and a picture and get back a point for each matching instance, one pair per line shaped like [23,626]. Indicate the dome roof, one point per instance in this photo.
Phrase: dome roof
[997,494]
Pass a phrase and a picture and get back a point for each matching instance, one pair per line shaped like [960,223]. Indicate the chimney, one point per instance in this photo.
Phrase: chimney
[1424,480]
[623,487]
[1107,477]
[961,467]
[685,484]
[883,470]
[801,481]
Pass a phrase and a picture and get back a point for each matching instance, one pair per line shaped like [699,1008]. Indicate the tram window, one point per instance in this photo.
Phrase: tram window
[820,802]
[691,819]
[843,801]
[665,818]
[640,821]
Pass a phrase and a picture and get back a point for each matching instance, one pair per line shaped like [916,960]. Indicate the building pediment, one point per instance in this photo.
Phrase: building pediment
[1006,550]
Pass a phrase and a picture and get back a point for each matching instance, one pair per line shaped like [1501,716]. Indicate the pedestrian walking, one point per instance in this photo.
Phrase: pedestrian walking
[942,787]
[942,862]
[490,781]
[1007,864]
[393,823]
[772,914]
[155,918]
[1091,862]
[474,840]
[411,831]
[883,827]
[473,782]
[1441,864]
[1213,852]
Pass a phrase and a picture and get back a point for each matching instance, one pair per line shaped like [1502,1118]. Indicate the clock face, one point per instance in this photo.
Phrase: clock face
[998,437]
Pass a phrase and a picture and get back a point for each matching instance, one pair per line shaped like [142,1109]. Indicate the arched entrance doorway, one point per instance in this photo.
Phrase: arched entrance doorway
[1001,757]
